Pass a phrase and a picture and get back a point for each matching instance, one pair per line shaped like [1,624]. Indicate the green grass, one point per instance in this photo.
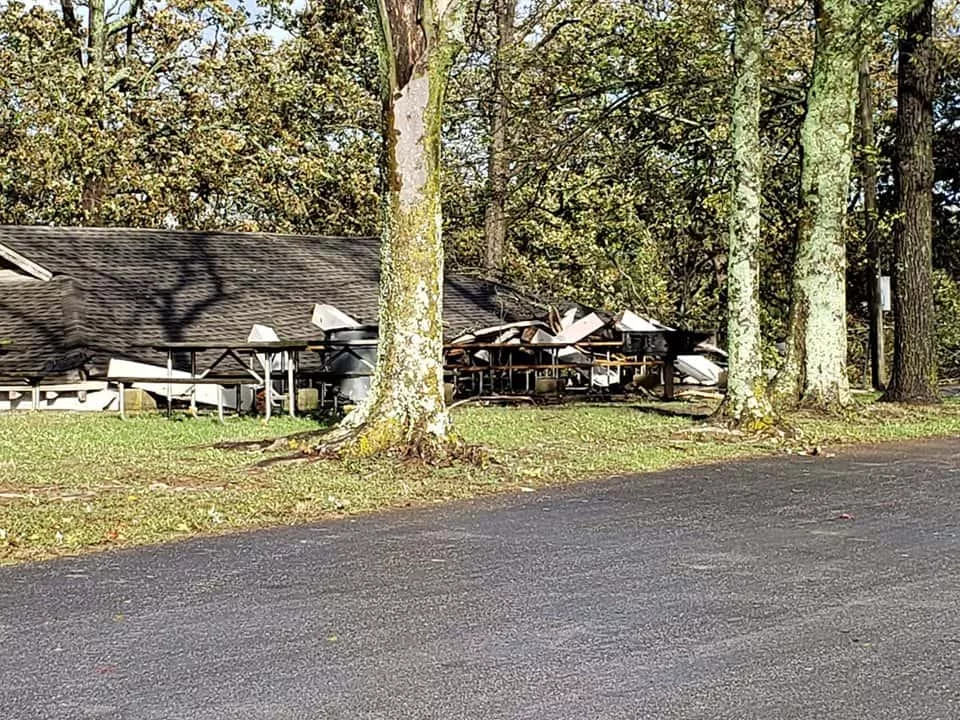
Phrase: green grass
[71,483]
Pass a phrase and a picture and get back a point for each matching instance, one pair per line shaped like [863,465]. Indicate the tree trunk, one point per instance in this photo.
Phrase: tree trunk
[914,375]
[96,44]
[868,178]
[814,370]
[405,406]
[498,165]
[93,182]
[746,401]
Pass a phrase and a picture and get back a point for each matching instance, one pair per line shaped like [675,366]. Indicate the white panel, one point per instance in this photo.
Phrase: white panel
[569,317]
[582,328]
[631,322]
[265,333]
[206,394]
[327,317]
[699,368]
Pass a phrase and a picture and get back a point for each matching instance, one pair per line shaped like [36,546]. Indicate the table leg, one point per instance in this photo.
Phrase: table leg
[169,382]
[668,378]
[291,389]
[268,387]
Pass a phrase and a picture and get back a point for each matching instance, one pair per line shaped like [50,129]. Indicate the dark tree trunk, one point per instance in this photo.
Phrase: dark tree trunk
[914,375]
[498,167]
[93,180]
[868,179]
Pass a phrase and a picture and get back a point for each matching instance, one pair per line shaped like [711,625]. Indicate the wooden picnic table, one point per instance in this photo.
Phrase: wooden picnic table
[289,352]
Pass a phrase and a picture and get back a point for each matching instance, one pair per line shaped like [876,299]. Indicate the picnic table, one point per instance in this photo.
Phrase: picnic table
[246,356]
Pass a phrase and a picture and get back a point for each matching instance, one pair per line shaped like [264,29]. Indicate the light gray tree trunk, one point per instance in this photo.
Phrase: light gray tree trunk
[814,370]
[498,165]
[868,177]
[405,406]
[746,402]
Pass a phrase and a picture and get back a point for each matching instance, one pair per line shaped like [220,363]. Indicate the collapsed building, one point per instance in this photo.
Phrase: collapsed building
[209,317]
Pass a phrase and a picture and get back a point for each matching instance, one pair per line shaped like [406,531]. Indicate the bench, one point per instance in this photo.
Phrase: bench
[189,382]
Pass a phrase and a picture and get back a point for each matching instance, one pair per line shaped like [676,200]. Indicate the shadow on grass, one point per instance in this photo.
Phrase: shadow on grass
[677,410]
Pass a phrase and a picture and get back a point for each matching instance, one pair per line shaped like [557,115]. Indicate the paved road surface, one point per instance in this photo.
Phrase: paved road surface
[721,592]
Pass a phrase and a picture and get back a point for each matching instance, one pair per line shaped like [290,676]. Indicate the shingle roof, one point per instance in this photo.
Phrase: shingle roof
[117,288]
[33,321]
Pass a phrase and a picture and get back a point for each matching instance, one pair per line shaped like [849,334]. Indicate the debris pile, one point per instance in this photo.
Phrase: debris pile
[576,351]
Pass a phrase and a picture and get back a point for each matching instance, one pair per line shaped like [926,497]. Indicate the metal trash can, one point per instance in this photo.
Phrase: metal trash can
[353,357]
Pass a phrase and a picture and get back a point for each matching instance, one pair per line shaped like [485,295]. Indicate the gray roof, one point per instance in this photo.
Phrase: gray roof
[113,289]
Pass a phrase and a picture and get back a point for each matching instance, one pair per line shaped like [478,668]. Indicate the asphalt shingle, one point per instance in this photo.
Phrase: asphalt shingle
[115,289]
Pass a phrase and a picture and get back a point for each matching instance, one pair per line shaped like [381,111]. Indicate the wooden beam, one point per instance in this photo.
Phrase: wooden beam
[28,266]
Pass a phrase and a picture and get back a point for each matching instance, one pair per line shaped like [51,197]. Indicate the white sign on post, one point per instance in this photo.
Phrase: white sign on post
[885,295]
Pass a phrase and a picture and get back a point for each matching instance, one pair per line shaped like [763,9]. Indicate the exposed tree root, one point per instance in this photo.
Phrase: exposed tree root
[294,458]
[919,398]
[722,427]
[272,444]
[366,441]
[391,438]
[756,418]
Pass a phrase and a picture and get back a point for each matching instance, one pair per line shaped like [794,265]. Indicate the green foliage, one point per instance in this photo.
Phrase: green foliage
[947,302]
[616,135]
[210,116]
[203,120]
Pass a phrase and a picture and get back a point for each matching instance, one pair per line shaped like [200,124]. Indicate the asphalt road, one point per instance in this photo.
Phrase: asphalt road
[732,591]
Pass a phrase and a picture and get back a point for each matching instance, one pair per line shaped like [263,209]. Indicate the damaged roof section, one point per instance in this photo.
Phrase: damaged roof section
[96,293]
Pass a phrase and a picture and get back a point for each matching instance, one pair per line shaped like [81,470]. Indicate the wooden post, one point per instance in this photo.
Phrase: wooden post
[193,376]
[668,377]
[871,227]
[291,387]
[169,382]
[267,386]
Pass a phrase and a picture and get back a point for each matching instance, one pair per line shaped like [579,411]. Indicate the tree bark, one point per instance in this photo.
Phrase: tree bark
[498,164]
[746,402]
[914,374]
[868,178]
[814,370]
[93,178]
[405,406]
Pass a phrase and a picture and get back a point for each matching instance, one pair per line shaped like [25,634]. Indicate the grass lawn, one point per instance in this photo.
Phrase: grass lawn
[75,482]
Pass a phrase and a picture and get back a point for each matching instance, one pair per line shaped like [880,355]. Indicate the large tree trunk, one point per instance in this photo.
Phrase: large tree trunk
[405,406]
[914,375]
[868,178]
[498,165]
[814,371]
[93,173]
[746,402]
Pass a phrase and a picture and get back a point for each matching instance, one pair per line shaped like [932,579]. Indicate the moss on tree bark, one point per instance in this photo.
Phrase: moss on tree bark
[814,370]
[405,407]
[746,402]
